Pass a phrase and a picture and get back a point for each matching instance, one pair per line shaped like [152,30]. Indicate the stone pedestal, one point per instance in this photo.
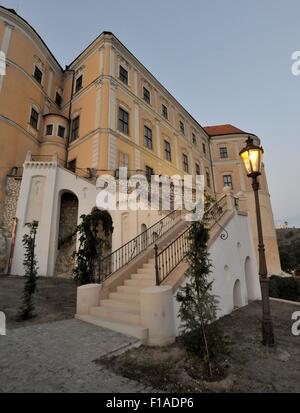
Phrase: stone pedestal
[87,296]
[157,314]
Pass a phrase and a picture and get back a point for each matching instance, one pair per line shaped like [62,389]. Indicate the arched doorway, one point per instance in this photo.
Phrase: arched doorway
[237,295]
[67,234]
[250,281]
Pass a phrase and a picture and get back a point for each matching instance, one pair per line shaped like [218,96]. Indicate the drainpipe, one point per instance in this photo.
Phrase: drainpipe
[212,168]
[69,117]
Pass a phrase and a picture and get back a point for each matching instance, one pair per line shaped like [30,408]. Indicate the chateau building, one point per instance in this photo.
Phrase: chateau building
[61,128]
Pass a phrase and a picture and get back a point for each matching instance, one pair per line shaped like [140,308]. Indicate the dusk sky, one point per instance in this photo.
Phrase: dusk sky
[225,62]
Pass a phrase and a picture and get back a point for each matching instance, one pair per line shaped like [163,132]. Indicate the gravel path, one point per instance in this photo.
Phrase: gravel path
[59,357]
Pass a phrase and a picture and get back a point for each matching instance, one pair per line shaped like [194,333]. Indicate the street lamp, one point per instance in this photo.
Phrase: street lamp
[252,158]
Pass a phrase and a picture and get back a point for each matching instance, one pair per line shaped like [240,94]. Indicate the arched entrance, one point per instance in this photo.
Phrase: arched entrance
[66,236]
[250,281]
[237,295]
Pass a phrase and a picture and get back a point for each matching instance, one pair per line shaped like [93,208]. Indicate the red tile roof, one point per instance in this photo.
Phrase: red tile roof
[222,130]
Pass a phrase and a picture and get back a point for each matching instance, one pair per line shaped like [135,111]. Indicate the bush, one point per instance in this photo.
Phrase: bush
[286,288]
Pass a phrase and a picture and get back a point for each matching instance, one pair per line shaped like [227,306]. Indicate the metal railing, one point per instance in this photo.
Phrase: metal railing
[171,256]
[112,263]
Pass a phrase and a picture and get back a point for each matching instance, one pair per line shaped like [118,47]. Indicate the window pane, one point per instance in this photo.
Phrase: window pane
[61,131]
[148,138]
[49,129]
[38,75]
[78,84]
[58,99]
[123,121]
[123,75]
[34,118]
[146,94]
[168,151]
[165,111]
[223,152]
[75,129]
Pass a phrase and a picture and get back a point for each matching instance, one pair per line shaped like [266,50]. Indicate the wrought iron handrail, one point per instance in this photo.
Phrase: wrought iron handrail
[124,255]
[171,256]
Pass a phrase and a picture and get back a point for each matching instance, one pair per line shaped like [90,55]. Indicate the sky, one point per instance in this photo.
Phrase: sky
[225,61]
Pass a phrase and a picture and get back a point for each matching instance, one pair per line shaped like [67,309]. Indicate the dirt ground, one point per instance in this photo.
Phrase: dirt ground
[253,367]
[55,300]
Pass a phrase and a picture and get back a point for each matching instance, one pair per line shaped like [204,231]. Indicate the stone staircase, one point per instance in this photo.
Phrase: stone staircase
[121,311]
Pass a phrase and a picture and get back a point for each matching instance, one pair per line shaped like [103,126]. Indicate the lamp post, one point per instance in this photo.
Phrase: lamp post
[252,158]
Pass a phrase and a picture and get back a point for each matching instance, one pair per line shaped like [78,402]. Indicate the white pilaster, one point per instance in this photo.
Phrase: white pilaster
[136,124]
[176,151]
[101,61]
[112,106]
[112,152]
[5,45]
[112,62]
[50,80]
[136,91]
[158,139]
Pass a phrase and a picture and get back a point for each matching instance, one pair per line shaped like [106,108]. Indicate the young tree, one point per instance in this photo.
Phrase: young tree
[198,306]
[26,311]
[93,231]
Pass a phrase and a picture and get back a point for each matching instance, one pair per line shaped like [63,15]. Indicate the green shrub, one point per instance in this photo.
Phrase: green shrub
[286,288]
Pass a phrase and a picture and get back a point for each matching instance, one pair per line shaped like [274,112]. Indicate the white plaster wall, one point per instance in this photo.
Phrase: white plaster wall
[227,253]
[53,182]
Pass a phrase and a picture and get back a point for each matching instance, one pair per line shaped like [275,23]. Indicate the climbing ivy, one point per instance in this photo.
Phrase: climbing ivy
[91,245]
[26,310]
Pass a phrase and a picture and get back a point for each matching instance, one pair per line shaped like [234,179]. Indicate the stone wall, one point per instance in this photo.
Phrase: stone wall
[13,186]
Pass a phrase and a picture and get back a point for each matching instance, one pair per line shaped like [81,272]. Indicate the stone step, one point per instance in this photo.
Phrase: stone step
[125,297]
[142,277]
[128,329]
[140,283]
[116,314]
[129,290]
[146,270]
[123,305]
[148,265]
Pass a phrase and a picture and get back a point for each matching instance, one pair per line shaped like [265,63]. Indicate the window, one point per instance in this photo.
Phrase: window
[34,118]
[49,130]
[75,128]
[78,84]
[194,139]
[164,111]
[168,151]
[38,74]
[123,75]
[223,153]
[146,95]
[208,179]
[148,137]
[61,131]
[185,162]
[123,121]
[123,160]
[58,99]
[227,180]
[72,166]
[149,173]
[181,126]
[197,167]
[204,147]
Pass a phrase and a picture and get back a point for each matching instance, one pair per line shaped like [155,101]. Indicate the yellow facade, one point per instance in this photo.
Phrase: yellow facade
[89,114]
